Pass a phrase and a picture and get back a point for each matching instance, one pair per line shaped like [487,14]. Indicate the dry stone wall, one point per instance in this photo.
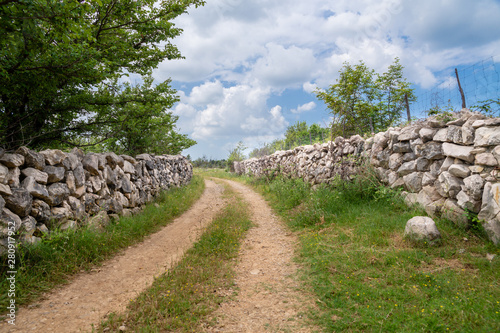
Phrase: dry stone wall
[51,189]
[449,164]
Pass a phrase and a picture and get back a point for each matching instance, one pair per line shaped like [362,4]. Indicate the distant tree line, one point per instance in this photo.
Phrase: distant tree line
[204,162]
[298,134]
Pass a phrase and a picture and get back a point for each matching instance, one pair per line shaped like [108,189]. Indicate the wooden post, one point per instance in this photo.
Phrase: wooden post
[407,108]
[461,91]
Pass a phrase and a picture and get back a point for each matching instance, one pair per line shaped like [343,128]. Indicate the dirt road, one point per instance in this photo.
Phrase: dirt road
[91,296]
[269,299]
[268,296]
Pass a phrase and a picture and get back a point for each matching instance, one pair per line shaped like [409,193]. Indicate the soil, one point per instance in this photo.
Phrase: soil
[268,296]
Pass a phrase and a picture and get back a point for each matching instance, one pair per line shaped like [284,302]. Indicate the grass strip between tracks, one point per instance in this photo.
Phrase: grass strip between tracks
[183,298]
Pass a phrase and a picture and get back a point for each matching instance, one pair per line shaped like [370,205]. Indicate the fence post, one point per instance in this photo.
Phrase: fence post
[461,91]
[407,108]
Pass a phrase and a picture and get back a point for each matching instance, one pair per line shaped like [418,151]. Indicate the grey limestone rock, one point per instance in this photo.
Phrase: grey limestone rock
[457,151]
[5,190]
[430,150]
[19,202]
[53,156]
[487,159]
[54,173]
[413,181]
[450,184]
[459,170]
[32,159]
[35,189]
[4,172]
[487,136]
[427,133]
[423,228]
[58,193]
[40,176]
[28,226]
[40,211]
[12,160]
[91,163]
[8,220]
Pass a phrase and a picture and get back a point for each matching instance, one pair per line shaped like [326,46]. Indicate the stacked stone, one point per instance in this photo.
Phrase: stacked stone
[318,163]
[42,191]
[449,166]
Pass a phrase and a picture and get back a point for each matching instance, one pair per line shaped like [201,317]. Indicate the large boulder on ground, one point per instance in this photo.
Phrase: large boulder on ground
[422,228]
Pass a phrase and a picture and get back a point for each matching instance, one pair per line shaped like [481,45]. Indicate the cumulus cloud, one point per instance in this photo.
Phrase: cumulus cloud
[284,67]
[215,111]
[207,93]
[304,107]
[242,55]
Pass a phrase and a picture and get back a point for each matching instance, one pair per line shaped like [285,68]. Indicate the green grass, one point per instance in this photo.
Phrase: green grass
[63,254]
[368,278]
[219,173]
[184,297]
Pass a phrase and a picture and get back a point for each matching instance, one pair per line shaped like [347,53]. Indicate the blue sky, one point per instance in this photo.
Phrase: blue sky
[251,66]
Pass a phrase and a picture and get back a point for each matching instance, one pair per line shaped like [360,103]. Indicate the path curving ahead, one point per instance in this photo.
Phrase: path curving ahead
[269,299]
[91,296]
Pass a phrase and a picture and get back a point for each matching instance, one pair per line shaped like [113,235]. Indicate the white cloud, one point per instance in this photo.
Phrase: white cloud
[239,110]
[304,107]
[449,82]
[207,93]
[284,67]
[244,54]
[309,87]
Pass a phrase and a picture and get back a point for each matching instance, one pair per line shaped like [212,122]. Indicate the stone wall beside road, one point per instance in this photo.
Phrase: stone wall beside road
[51,189]
[449,164]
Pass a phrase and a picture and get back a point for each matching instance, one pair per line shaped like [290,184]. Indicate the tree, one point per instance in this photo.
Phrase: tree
[296,134]
[350,100]
[362,101]
[146,126]
[61,61]
[393,88]
[236,154]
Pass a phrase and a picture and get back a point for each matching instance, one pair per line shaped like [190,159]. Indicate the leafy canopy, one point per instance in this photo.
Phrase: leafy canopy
[61,61]
[298,134]
[236,154]
[362,101]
